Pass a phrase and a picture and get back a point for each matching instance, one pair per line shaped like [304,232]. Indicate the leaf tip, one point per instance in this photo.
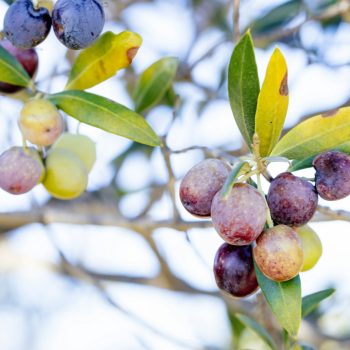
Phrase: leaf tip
[131,53]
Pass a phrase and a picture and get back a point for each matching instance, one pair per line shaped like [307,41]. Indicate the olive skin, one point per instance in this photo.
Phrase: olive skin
[40,122]
[234,270]
[279,253]
[332,175]
[66,174]
[78,23]
[25,26]
[200,185]
[240,218]
[312,246]
[20,170]
[292,200]
[81,145]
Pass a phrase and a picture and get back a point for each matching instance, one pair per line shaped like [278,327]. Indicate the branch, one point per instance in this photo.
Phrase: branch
[328,214]
[92,213]
[236,31]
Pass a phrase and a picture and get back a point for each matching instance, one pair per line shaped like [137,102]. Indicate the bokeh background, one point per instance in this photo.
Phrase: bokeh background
[113,270]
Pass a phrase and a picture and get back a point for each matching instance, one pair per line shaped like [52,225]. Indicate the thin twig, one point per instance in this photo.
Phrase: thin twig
[236,31]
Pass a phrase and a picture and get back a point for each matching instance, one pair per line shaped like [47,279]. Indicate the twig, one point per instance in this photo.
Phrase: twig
[236,31]
[81,275]
[328,214]
[171,179]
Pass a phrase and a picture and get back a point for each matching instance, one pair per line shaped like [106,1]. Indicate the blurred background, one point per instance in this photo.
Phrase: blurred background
[124,267]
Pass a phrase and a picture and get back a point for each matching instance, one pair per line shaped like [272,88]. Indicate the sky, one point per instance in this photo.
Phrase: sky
[41,310]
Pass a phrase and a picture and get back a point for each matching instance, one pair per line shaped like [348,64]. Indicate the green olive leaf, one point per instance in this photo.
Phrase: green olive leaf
[257,329]
[237,170]
[284,299]
[310,302]
[105,114]
[243,87]
[154,83]
[11,71]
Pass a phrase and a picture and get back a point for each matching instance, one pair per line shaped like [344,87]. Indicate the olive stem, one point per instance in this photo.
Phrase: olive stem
[24,143]
[247,176]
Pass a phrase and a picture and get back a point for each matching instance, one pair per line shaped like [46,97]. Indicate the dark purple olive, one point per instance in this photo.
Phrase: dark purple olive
[332,175]
[234,270]
[292,200]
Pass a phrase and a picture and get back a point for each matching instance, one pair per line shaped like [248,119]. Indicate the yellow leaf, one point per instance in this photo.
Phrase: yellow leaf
[315,135]
[110,53]
[272,103]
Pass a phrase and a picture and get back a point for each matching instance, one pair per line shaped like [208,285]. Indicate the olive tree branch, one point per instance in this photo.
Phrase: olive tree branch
[236,31]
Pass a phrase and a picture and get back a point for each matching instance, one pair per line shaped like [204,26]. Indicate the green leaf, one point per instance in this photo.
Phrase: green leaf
[272,105]
[310,302]
[243,87]
[284,299]
[277,17]
[258,329]
[315,135]
[106,115]
[154,82]
[237,328]
[238,168]
[110,53]
[299,164]
[11,71]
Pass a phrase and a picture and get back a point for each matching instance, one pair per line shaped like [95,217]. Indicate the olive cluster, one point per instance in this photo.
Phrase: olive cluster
[281,249]
[61,161]
[76,23]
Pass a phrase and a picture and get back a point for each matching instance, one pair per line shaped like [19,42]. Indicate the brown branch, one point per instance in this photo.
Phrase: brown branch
[99,214]
[171,179]
[328,214]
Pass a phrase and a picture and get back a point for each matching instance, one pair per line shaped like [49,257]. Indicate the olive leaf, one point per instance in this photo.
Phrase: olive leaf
[258,329]
[315,135]
[110,53]
[106,115]
[310,302]
[243,87]
[11,71]
[284,299]
[154,83]
[272,104]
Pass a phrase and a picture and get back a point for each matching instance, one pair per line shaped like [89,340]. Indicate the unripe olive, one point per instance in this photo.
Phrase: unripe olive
[80,145]
[312,246]
[66,174]
[40,122]
[279,253]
